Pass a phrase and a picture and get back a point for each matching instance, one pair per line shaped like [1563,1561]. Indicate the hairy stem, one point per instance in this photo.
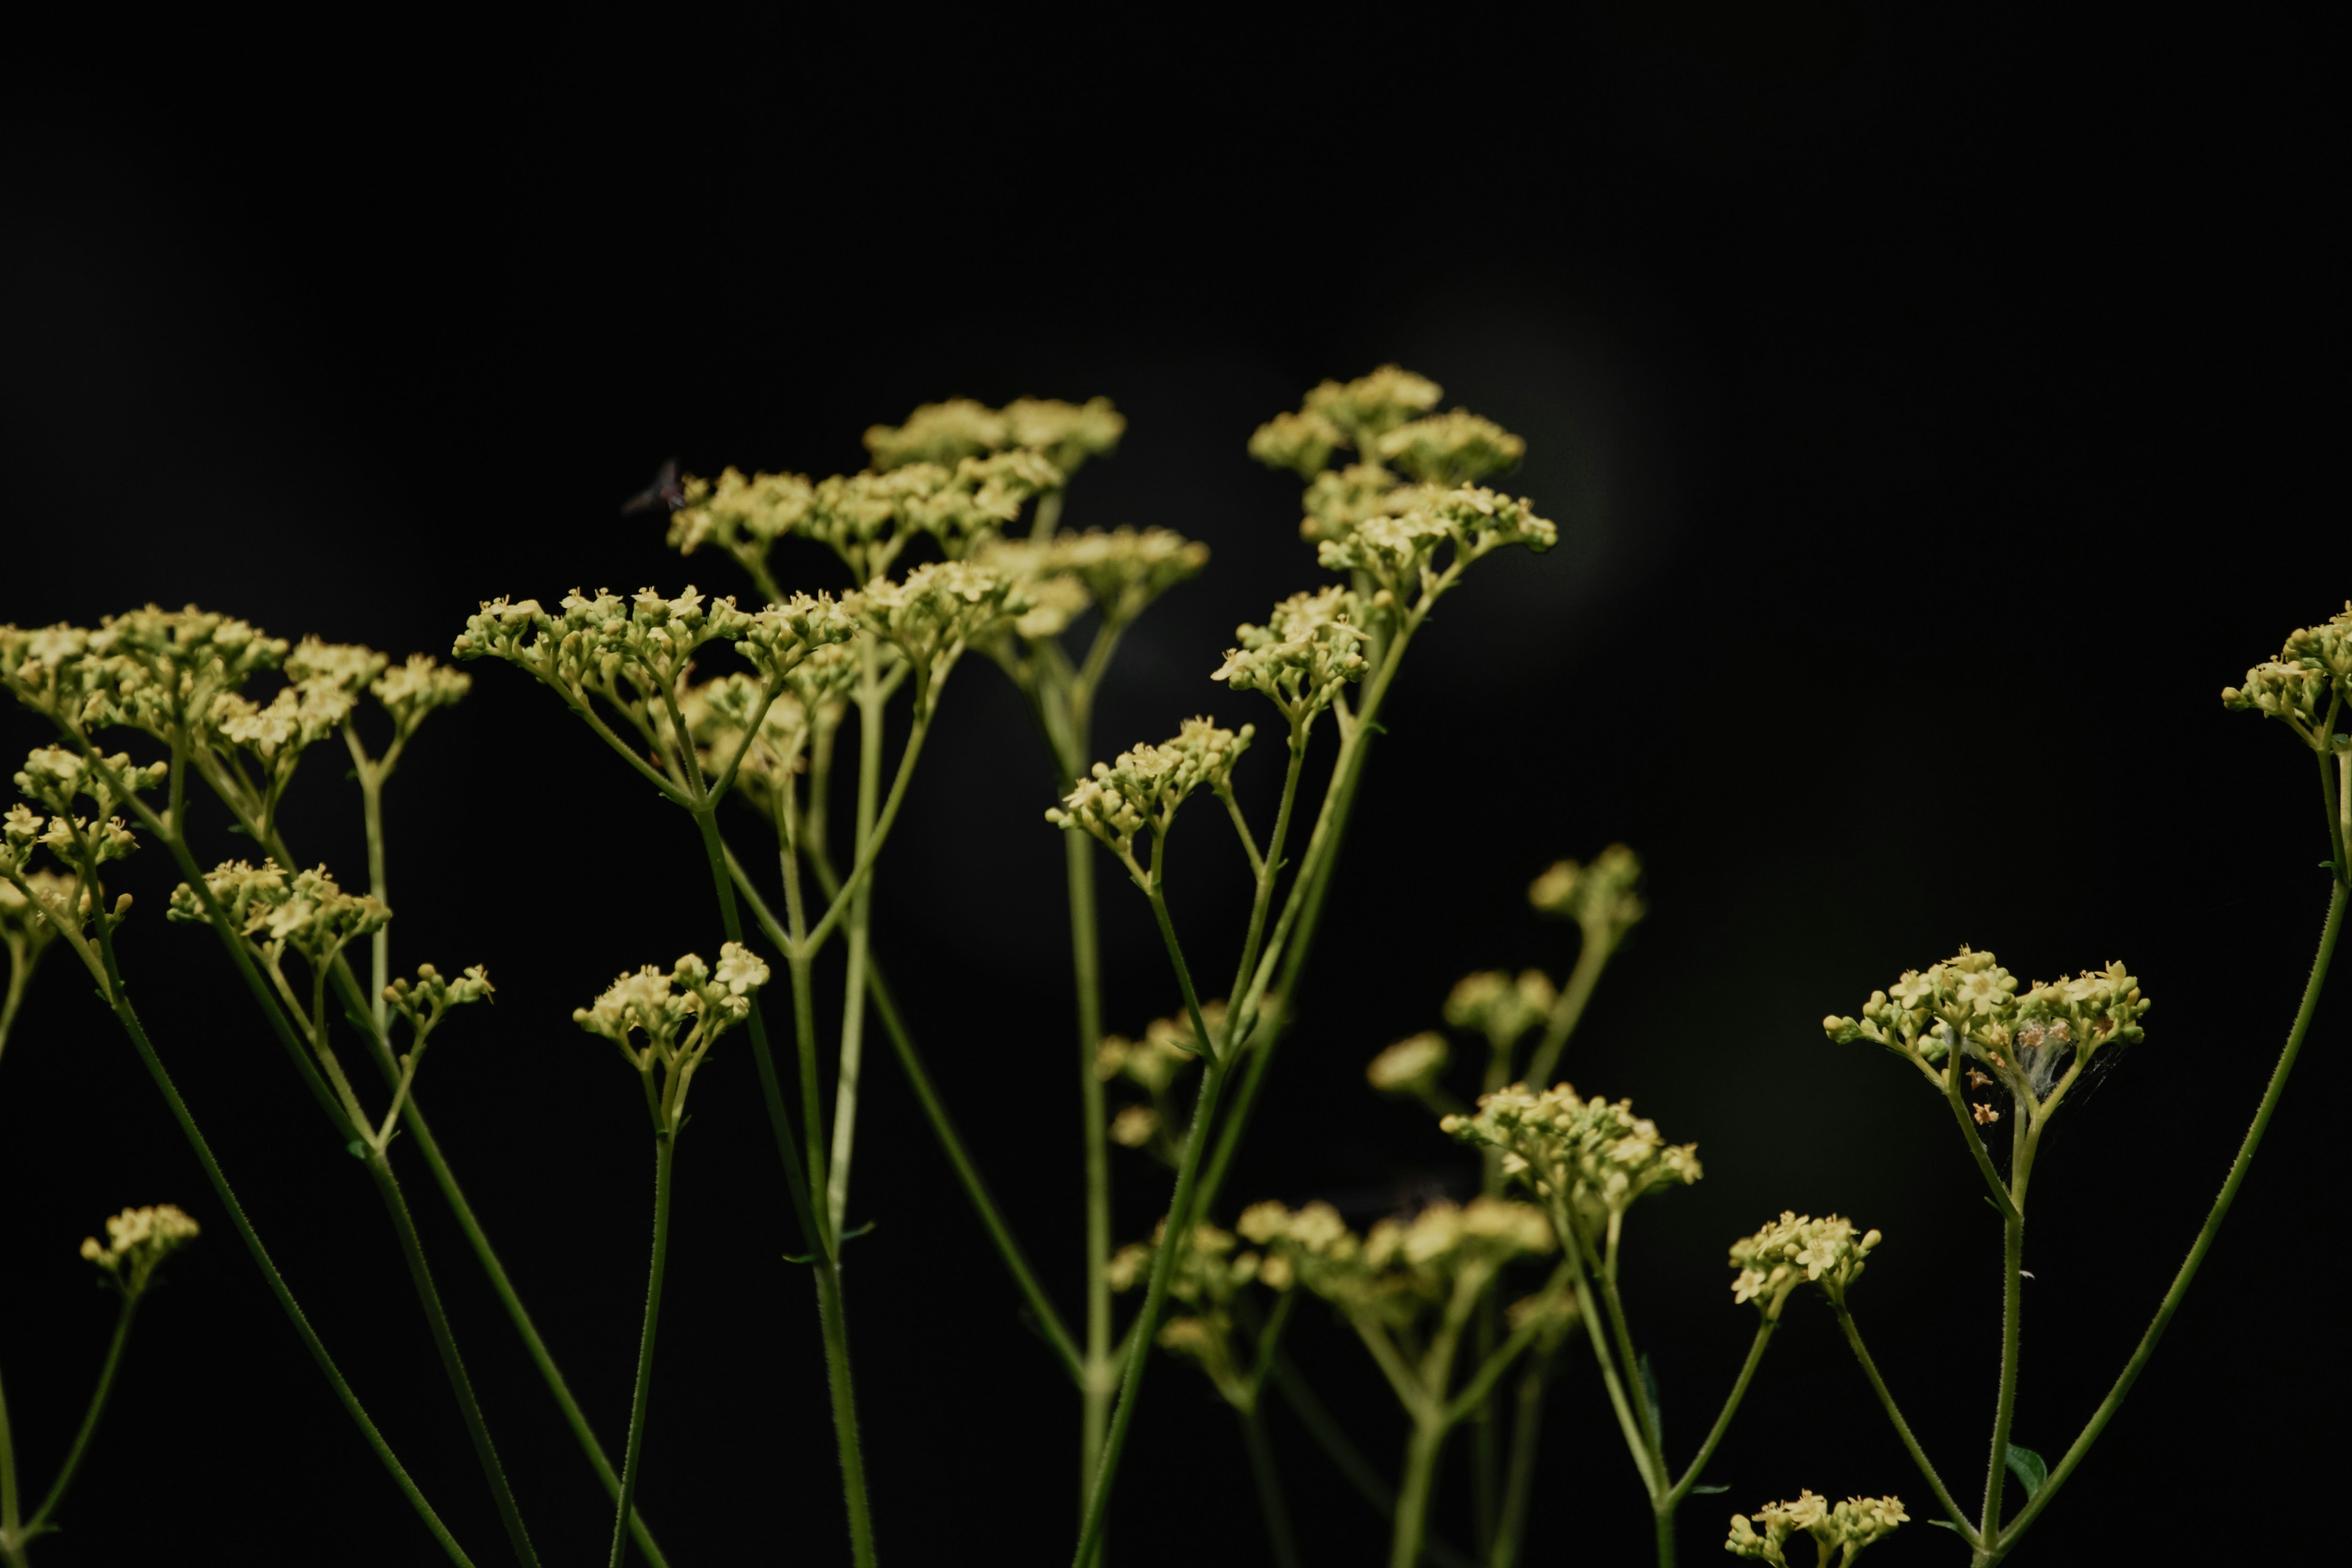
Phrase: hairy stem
[860,930]
[2066,1466]
[633,1451]
[89,1420]
[1902,1427]
[1421,1452]
[1278,1534]
[834,1322]
[445,1341]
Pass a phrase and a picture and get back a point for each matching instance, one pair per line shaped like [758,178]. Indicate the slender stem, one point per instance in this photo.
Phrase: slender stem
[10,1535]
[633,1451]
[1568,1008]
[1040,1306]
[1421,1452]
[1518,1485]
[1993,1184]
[1097,1380]
[20,969]
[1572,1245]
[1902,1427]
[865,862]
[1269,1489]
[1631,1361]
[89,1423]
[2338,833]
[129,1018]
[1180,1213]
[380,948]
[833,1320]
[421,1134]
[470,1408]
[2012,1303]
[859,929]
[2066,1467]
[1730,1407]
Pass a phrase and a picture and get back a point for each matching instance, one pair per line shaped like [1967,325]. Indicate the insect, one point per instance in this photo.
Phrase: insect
[665,492]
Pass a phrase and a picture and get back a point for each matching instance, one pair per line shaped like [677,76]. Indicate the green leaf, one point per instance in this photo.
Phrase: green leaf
[1702,1491]
[1650,1398]
[2027,1466]
[1945,1524]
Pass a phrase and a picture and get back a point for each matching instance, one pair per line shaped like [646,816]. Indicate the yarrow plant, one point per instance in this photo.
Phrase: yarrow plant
[738,709]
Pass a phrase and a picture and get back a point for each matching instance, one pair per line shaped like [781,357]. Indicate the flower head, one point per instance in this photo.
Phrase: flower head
[137,1240]
[1844,1529]
[1400,1268]
[1308,648]
[1143,786]
[667,1023]
[1794,1249]
[1500,1008]
[1412,1067]
[1599,897]
[2296,686]
[308,910]
[1593,1158]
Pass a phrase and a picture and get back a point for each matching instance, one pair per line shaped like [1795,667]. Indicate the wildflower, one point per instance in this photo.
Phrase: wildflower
[1598,896]
[410,691]
[1204,1278]
[935,613]
[1589,1158]
[1396,545]
[742,516]
[1142,787]
[1410,1067]
[1400,1268]
[1448,449]
[1500,1008]
[1118,573]
[424,1000]
[137,1241]
[1134,1126]
[939,433]
[309,911]
[1371,406]
[2294,685]
[1308,650]
[1846,1529]
[1794,1249]
[666,1023]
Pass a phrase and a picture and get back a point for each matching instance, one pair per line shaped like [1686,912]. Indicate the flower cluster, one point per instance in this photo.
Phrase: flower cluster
[1412,1067]
[1796,1248]
[1143,787]
[1153,1063]
[1598,896]
[742,516]
[1451,449]
[935,612]
[424,1000]
[594,643]
[1308,650]
[24,928]
[2294,686]
[1396,543]
[137,1240]
[1591,1157]
[415,688]
[72,839]
[1844,1529]
[1356,414]
[1971,1002]
[1064,434]
[1206,1276]
[1500,1008]
[308,910]
[671,1021]
[154,669]
[1401,1266]
[719,716]
[1117,574]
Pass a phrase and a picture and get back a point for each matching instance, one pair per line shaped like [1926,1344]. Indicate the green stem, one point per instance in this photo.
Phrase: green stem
[859,927]
[2337,830]
[88,1422]
[1568,1008]
[1097,1379]
[1421,1452]
[1902,1427]
[1269,1490]
[1723,1419]
[1049,1321]
[10,1535]
[835,1324]
[1519,1486]
[2012,1303]
[1349,1460]
[1180,1213]
[2066,1466]
[19,971]
[633,1452]
[129,1018]
[485,1452]
[421,1134]
[380,949]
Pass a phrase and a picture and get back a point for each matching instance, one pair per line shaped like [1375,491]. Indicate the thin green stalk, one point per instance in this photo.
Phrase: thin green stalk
[129,1018]
[633,1452]
[859,929]
[2066,1466]
[2012,1304]
[1902,1427]
[380,949]
[1421,1452]
[834,1320]
[1723,1419]
[421,1134]
[1179,1212]
[1096,1380]
[1568,1008]
[1519,1486]
[1349,1460]
[18,973]
[1040,1306]
[1269,1490]
[89,1420]
[11,1536]
[470,1408]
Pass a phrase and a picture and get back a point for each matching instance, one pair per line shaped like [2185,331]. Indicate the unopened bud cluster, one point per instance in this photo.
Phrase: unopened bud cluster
[2306,684]
[1500,1008]
[1599,897]
[1309,647]
[1142,787]
[137,1240]
[1399,1269]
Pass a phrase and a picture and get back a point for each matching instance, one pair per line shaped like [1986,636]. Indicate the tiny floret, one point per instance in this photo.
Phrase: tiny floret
[137,1240]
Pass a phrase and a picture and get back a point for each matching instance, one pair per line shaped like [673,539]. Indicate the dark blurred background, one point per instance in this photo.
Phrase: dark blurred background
[1937,415]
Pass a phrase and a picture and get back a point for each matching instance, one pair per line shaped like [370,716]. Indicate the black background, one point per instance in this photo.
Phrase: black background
[1936,416]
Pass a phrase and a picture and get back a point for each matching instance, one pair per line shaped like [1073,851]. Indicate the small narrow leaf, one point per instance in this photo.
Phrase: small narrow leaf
[1702,1491]
[1945,1524]
[2027,1466]
[1650,1397]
